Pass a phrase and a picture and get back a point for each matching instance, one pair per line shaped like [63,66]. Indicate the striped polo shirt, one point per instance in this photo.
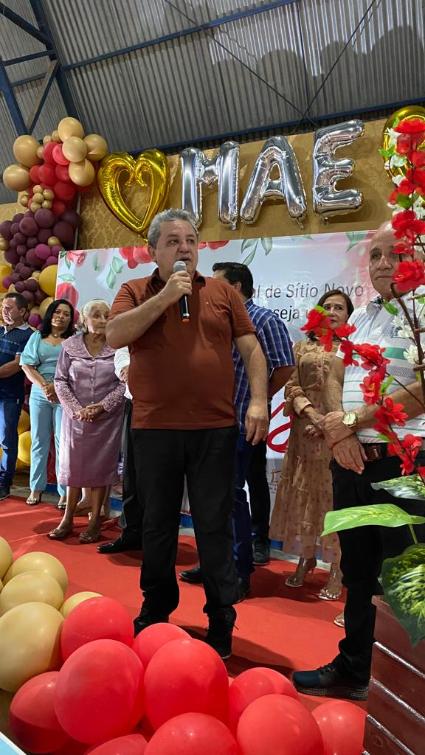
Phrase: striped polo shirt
[375,325]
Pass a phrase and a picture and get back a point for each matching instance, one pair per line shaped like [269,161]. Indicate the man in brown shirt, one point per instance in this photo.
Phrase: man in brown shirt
[182,380]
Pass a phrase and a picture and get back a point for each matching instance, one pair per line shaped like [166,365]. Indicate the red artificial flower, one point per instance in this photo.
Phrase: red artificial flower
[409,274]
[416,176]
[389,413]
[371,387]
[406,187]
[348,350]
[418,158]
[407,224]
[326,339]
[405,145]
[344,330]
[404,247]
[372,356]
[407,449]
[411,126]
[316,320]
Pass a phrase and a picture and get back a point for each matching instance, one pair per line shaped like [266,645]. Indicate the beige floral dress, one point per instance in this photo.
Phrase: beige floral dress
[304,494]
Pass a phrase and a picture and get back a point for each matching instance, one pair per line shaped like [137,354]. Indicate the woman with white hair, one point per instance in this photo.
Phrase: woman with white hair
[92,398]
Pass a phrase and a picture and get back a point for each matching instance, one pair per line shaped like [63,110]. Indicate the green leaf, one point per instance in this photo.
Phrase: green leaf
[267,244]
[250,257]
[111,278]
[407,486]
[404,201]
[382,514]
[248,243]
[67,278]
[386,384]
[117,265]
[403,580]
[386,153]
[391,308]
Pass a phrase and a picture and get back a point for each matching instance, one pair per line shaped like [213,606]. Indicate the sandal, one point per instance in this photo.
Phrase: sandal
[339,620]
[90,536]
[305,565]
[333,589]
[32,500]
[61,532]
[61,504]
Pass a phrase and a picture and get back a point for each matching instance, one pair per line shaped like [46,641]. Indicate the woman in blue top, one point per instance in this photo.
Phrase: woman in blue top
[38,361]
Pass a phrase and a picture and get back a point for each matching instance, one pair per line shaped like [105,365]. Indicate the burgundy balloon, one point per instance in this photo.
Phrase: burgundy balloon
[21,250]
[14,228]
[19,266]
[11,256]
[25,272]
[18,217]
[44,218]
[28,214]
[39,296]
[5,229]
[12,243]
[14,277]
[72,217]
[20,286]
[34,320]
[31,257]
[28,296]
[56,249]
[42,251]
[31,285]
[65,232]
[20,238]
[50,261]
[32,241]
[28,226]
[44,235]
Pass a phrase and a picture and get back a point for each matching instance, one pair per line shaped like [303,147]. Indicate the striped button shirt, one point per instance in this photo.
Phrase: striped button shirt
[277,348]
[375,325]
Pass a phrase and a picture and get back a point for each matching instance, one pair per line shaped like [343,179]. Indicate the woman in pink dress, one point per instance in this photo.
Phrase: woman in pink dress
[92,398]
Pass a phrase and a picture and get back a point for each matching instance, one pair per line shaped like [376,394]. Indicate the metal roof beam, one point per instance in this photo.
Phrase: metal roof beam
[207,26]
[11,101]
[25,58]
[23,24]
[42,95]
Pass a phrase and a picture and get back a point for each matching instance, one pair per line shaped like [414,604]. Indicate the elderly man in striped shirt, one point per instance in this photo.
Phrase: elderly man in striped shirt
[277,348]
[360,459]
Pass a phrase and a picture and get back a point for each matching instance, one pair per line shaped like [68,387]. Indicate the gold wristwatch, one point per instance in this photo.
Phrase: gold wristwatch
[350,419]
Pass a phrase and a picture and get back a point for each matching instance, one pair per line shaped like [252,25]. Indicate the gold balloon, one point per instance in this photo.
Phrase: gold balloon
[55,136]
[24,417]
[39,561]
[5,270]
[6,557]
[48,194]
[47,280]
[36,275]
[75,600]
[24,448]
[1,585]
[47,139]
[74,149]
[28,587]
[24,199]
[149,170]
[29,643]
[34,206]
[97,147]
[409,112]
[53,241]
[16,177]
[38,196]
[44,304]
[25,150]
[4,245]
[47,204]
[82,173]
[40,152]
[70,127]
[37,189]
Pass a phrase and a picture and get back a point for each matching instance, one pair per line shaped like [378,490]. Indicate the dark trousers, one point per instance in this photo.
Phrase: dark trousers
[241,516]
[259,492]
[132,515]
[362,552]
[206,457]
[10,410]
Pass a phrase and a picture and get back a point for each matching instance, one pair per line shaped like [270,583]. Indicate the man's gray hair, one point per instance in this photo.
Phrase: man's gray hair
[166,216]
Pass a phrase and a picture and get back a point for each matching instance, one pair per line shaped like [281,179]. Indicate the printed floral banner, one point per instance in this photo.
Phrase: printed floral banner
[290,274]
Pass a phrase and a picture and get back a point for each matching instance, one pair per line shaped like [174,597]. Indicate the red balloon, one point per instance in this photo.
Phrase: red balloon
[62,173]
[35,174]
[280,720]
[99,692]
[58,207]
[47,174]
[58,155]
[185,676]
[342,727]
[32,716]
[193,734]
[95,619]
[64,191]
[48,153]
[132,744]
[252,684]
[154,637]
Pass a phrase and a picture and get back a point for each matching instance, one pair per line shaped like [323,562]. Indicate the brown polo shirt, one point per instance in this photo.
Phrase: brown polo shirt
[181,375]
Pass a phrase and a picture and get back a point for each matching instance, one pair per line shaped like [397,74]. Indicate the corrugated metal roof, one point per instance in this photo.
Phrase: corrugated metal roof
[311,57]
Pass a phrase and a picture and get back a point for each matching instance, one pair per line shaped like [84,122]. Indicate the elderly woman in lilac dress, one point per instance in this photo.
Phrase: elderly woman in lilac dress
[92,398]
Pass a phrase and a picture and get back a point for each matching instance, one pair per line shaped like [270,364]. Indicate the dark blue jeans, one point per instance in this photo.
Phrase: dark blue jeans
[10,410]
[241,515]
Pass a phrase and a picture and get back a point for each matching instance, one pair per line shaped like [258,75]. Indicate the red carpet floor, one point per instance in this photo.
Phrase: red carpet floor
[277,626]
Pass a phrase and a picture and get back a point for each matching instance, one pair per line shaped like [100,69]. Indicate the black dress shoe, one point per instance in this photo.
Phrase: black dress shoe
[193,576]
[4,493]
[261,551]
[219,635]
[244,588]
[327,681]
[145,619]
[120,545]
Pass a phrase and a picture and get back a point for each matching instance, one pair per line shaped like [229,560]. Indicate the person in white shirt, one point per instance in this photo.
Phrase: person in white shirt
[132,515]
[360,459]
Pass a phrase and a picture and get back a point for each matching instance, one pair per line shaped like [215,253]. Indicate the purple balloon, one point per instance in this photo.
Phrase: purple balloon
[20,286]
[7,281]
[18,217]
[21,250]
[56,249]
[71,217]
[31,285]
[28,296]
[20,238]
[33,260]
[12,243]
[14,228]
[43,235]
[39,296]
[65,232]
[28,214]
[11,256]
[50,261]
[14,277]
[25,272]
[42,251]
[32,241]
[28,226]
[44,218]
[5,229]
[34,320]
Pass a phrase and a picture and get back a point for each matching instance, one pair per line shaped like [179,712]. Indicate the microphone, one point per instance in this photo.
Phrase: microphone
[178,267]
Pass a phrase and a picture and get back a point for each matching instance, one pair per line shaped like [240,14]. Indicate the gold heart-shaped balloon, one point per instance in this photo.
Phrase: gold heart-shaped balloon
[150,170]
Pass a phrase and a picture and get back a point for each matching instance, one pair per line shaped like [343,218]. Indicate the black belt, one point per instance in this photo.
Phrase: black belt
[375,451]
